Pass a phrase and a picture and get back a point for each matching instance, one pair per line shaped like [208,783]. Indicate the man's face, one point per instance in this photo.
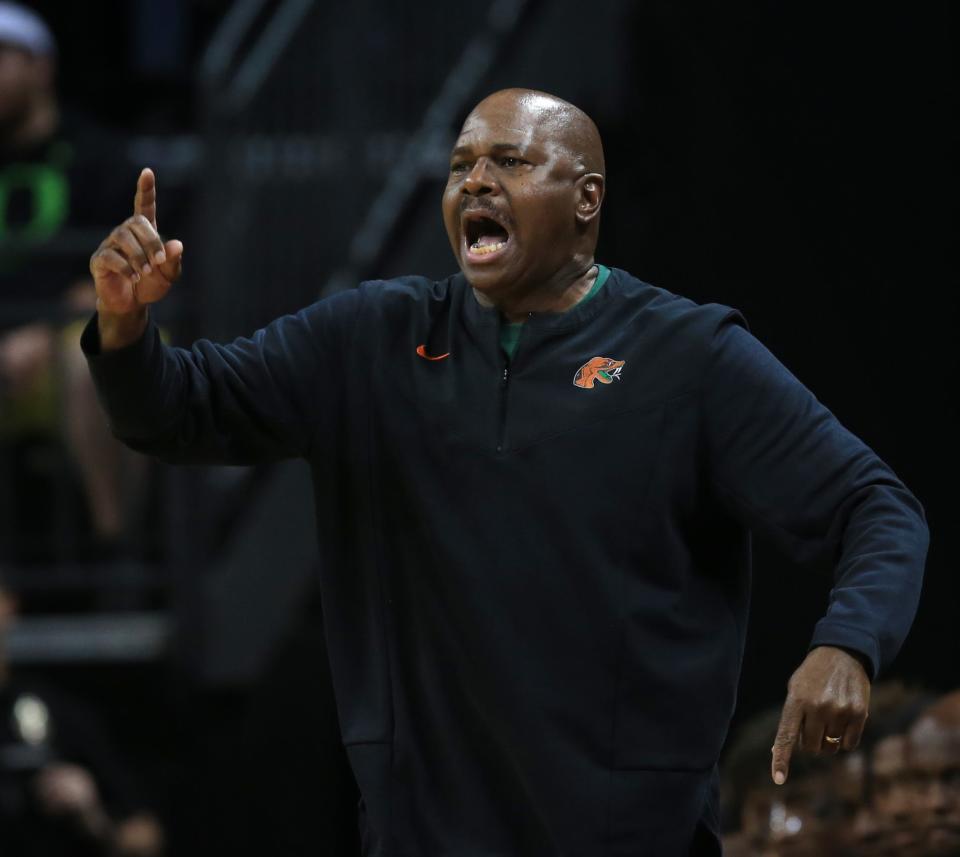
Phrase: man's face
[21,79]
[510,202]
[864,831]
[855,825]
[934,750]
[893,830]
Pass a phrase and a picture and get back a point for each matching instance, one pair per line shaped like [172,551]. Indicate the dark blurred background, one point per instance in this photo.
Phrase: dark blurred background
[787,159]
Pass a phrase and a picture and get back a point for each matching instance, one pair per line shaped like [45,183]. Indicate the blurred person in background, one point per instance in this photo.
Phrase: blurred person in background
[933,755]
[887,825]
[882,826]
[64,789]
[60,177]
[806,817]
[863,804]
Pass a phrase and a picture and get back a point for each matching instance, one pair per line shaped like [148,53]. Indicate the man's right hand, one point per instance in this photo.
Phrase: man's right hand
[132,268]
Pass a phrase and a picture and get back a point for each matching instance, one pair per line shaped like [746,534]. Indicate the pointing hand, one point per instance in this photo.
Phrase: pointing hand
[132,268]
[828,698]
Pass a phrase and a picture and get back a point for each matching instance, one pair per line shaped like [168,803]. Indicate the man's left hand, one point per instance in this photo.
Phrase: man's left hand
[828,697]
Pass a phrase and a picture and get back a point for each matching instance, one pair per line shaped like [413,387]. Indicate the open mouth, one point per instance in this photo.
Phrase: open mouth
[484,237]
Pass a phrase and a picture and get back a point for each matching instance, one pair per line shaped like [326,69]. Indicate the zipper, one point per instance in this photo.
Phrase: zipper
[504,382]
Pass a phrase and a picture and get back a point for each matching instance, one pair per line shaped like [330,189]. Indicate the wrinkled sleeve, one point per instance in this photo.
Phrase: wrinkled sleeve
[255,400]
[786,467]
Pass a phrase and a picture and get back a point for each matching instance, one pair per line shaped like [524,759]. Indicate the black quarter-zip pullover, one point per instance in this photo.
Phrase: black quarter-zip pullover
[535,576]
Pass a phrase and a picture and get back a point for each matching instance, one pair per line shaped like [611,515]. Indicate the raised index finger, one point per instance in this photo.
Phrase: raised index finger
[145,202]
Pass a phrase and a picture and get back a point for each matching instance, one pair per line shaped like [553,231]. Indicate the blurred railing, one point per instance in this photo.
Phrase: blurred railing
[72,598]
[303,180]
[323,123]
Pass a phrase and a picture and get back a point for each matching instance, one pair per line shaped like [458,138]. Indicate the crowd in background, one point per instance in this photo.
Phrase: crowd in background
[898,795]
[66,788]
[62,180]
[69,491]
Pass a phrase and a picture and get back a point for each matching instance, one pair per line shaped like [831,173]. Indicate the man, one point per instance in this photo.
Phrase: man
[891,822]
[58,176]
[64,790]
[534,483]
[882,825]
[933,749]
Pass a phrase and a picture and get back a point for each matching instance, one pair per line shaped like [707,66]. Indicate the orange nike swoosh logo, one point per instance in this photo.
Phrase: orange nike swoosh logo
[422,351]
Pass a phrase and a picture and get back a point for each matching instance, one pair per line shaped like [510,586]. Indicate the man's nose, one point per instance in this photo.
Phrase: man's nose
[479,181]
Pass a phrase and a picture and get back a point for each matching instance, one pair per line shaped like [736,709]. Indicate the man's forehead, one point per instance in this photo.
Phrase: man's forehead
[931,739]
[525,108]
[478,131]
[523,118]
[935,757]
[890,755]
[532,121]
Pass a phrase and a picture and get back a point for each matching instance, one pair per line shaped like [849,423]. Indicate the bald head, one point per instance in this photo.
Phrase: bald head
[561,122]
[936,733]
[522,201]
[943,714]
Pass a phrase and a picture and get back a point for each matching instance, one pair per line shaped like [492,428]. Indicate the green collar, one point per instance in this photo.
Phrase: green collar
[510,330]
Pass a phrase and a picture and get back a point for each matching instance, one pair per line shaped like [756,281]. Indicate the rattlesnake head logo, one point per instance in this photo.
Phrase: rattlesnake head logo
[602,369]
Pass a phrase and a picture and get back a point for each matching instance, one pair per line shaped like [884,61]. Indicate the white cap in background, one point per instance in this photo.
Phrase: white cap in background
[25,29]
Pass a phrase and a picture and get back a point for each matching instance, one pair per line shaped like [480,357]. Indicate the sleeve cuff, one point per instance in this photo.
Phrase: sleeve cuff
[859,642]
[90,342]
[128,381]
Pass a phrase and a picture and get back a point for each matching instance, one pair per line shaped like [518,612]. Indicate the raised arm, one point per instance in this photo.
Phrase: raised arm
[259,399]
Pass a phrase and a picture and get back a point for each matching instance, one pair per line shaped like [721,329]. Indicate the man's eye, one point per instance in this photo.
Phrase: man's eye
[459,167]
[510,162]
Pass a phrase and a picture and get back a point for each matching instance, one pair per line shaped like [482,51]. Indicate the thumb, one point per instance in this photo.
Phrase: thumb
[786,740]
[171,267]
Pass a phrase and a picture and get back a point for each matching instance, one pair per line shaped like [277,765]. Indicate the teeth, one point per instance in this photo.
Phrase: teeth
[483,249]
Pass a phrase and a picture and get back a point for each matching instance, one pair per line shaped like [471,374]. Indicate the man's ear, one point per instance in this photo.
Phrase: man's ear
[590,189]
